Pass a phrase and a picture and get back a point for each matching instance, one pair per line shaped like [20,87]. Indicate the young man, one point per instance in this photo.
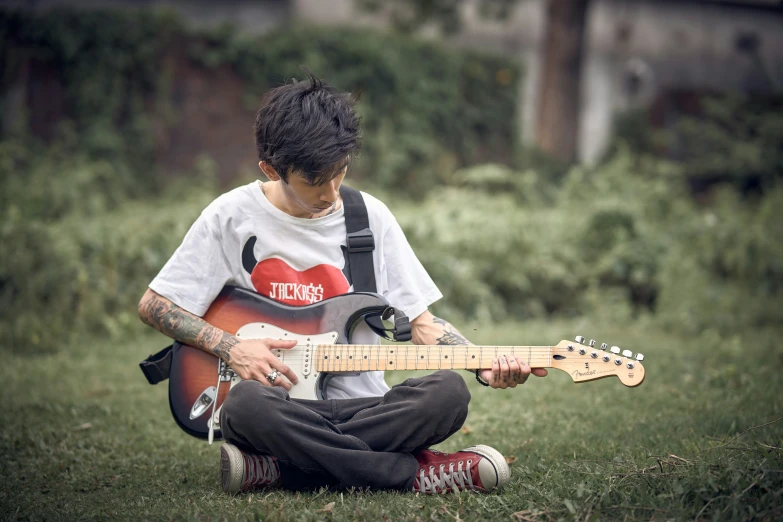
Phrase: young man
[289,233]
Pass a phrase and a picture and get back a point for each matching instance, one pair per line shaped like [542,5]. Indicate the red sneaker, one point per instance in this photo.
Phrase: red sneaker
[477,468]
[242,471]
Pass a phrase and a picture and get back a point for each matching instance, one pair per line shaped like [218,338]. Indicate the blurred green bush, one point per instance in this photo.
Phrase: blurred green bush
[734,139]
[617,241]
[77,248]
[620,240]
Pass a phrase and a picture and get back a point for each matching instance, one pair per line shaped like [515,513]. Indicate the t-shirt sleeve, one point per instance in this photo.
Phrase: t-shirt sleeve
[407,285]
[197,271]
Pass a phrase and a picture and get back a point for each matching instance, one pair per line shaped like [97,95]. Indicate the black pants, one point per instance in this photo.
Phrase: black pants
[363,443]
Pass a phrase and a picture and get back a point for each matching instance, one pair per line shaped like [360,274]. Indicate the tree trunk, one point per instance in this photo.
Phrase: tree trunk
[558,117]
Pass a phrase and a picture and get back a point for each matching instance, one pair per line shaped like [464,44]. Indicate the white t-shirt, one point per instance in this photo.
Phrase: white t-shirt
[242,239]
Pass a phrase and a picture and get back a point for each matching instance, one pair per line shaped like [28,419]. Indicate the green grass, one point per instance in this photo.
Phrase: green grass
[85,437]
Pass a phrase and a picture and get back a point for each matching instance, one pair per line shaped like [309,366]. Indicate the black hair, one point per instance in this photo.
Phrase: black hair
[309,128]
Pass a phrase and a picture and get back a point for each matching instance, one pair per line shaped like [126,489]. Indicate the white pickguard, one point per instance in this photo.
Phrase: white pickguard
[299,358]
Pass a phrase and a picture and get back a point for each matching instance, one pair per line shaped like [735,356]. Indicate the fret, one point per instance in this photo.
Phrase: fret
[339,358]
[361,362]
[365,359]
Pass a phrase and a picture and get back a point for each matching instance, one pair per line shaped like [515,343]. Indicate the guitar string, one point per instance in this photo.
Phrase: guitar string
[459,358]
[330,351]
[539,357]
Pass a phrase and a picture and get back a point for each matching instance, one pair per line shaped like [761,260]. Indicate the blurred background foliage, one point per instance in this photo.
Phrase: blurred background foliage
[735,139]
[679,228]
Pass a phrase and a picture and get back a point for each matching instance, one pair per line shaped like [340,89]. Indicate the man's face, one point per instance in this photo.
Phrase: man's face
[314,199]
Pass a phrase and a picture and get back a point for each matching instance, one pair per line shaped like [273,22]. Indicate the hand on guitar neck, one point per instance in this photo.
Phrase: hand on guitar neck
[249,358]
[507,370]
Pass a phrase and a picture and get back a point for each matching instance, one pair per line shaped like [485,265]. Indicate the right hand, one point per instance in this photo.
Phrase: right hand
[253,359]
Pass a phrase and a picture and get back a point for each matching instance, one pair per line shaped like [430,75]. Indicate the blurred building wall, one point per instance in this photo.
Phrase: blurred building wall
[636,51]
[640,51]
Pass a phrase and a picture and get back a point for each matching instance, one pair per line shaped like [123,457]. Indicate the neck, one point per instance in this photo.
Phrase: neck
[357,357]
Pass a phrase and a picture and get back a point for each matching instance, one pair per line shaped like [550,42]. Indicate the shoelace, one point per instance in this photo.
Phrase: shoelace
[259,469]
[443,479]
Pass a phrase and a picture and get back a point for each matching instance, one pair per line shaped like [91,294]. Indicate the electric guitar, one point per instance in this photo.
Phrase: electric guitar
[199,382]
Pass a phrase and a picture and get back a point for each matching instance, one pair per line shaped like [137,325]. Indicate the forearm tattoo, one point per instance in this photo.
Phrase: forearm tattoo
[451,335]
[170,319]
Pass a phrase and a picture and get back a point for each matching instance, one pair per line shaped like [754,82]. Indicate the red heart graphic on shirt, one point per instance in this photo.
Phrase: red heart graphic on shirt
[276,279]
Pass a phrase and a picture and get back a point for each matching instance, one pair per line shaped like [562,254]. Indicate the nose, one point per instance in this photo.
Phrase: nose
[331,191]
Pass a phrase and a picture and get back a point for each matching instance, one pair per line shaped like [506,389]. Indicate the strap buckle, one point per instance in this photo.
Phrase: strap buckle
[361,241]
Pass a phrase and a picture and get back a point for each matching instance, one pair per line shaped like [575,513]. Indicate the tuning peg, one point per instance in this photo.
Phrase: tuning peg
[604,346]
[615,349]
[639,357]
[627,353]
[580,339]
[591,343]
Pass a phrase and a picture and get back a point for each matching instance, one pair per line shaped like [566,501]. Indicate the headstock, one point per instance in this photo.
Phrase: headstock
[584,362]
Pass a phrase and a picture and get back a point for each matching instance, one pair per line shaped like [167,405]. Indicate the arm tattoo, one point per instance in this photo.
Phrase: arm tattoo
[179,324]
[451,335]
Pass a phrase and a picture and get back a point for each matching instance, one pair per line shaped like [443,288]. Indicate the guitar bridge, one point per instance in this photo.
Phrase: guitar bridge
[225,372]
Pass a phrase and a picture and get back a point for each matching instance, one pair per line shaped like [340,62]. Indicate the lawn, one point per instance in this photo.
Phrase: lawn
[85,437]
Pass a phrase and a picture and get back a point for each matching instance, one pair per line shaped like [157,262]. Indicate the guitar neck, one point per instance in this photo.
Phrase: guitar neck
[368,357]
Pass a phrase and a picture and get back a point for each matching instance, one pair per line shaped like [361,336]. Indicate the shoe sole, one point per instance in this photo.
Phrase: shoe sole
[231,468]
[498,462]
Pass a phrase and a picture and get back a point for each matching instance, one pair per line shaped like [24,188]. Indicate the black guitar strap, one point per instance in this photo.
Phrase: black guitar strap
[361,244]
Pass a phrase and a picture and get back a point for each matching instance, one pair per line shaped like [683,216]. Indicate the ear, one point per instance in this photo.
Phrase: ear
[269,171]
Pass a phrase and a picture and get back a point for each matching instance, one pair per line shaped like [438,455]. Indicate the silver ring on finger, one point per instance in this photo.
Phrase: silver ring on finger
[272,376]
